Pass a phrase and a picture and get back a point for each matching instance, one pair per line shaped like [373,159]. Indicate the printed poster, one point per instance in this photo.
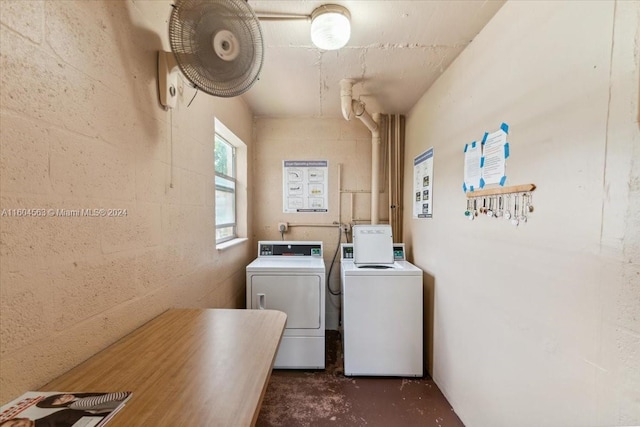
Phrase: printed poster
[472,171]
[305,186]
[423,185]
[485,162]
[495,152]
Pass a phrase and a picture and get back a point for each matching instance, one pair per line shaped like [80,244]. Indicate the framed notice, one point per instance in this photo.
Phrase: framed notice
[423,185]
[305,184]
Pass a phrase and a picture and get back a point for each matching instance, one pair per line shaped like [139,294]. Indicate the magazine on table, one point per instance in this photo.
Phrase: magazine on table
[63,409]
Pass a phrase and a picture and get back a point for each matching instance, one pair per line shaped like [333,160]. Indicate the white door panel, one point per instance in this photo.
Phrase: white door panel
[299,296]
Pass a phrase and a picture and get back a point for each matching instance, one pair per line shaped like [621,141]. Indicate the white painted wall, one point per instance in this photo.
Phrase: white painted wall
[81,127]
[538,325]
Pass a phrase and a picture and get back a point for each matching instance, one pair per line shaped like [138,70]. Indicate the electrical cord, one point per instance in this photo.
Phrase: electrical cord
[194,97]
[331,291]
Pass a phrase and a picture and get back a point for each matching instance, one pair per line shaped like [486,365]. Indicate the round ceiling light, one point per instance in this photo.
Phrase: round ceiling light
[330,26]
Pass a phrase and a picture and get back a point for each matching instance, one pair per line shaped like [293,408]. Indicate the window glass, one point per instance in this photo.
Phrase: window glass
[225,163]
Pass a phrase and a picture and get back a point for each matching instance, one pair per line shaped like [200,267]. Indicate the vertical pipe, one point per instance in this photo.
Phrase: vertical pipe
[398,172]
[392,172]
[392,176]
[399,176]
[351,107]
[389,123]
[375,170]
[351,209]
[339,194]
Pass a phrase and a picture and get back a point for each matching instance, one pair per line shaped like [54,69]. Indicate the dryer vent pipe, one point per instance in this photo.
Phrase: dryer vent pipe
[355,108]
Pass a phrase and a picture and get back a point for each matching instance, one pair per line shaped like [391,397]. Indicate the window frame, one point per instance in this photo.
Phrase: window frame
[228,189]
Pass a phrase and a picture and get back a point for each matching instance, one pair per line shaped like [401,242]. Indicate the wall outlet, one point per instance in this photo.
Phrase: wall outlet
[346,227]
[283,227]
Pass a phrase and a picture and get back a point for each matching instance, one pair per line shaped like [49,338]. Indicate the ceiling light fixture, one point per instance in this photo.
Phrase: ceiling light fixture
[330,26]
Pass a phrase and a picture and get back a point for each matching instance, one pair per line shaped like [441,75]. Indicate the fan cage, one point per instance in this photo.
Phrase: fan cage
[192,25]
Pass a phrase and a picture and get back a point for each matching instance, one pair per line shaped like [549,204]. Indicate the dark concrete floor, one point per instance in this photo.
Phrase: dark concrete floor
[299,398]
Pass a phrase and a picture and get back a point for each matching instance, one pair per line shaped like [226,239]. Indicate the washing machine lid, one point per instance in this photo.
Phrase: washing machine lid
[398,268]
[372,244]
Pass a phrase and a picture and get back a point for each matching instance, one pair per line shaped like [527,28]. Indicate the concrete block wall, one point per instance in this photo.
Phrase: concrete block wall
[538,325]
[81,128]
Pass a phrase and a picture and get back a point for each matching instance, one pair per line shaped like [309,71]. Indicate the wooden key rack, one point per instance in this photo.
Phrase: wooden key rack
[524,188]
[500,202]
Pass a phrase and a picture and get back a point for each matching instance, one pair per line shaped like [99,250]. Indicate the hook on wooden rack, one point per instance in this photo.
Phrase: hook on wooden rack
[491,203]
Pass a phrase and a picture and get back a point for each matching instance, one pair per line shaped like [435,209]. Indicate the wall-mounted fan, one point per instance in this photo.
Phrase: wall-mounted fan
[218,46]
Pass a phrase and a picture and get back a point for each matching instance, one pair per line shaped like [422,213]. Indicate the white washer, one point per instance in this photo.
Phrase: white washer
[382,316]
[290,276]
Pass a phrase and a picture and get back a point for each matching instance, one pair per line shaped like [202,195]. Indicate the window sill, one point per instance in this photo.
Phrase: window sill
[231,243]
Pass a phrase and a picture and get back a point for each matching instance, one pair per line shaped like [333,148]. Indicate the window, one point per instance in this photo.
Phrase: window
[230,182]
[225,160]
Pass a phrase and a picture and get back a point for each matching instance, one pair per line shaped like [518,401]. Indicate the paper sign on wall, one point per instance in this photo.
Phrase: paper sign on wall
[494,153]
[472,171]
[485,163]
[305,184]
[423,185]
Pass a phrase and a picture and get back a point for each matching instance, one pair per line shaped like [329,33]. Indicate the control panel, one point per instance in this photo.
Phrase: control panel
[398,252]
[347,251]
[296,249]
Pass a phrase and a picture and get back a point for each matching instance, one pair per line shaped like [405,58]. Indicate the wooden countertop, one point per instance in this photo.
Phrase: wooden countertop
[195,368]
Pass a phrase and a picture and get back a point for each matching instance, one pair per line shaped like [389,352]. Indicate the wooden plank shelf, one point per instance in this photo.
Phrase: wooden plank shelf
[524,188]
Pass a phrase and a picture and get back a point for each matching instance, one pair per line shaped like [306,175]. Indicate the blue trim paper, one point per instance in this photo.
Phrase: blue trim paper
[495,151]
[472,166]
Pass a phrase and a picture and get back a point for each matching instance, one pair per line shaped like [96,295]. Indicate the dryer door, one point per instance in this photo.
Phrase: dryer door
[297,295]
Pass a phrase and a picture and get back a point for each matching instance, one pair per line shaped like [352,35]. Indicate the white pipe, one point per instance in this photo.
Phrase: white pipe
[375,165]
[268,16]
[346,98]
[340,193]
[351,107]
[351,209]
[361,113]
[293,224]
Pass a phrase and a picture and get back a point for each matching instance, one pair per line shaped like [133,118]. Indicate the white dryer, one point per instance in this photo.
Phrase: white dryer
[382,316]
[290,276]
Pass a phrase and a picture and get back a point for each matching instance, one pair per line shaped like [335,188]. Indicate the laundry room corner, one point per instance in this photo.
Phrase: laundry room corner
[346,146]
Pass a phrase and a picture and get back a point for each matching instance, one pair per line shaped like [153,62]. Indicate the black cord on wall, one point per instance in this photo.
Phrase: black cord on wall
[331,291]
